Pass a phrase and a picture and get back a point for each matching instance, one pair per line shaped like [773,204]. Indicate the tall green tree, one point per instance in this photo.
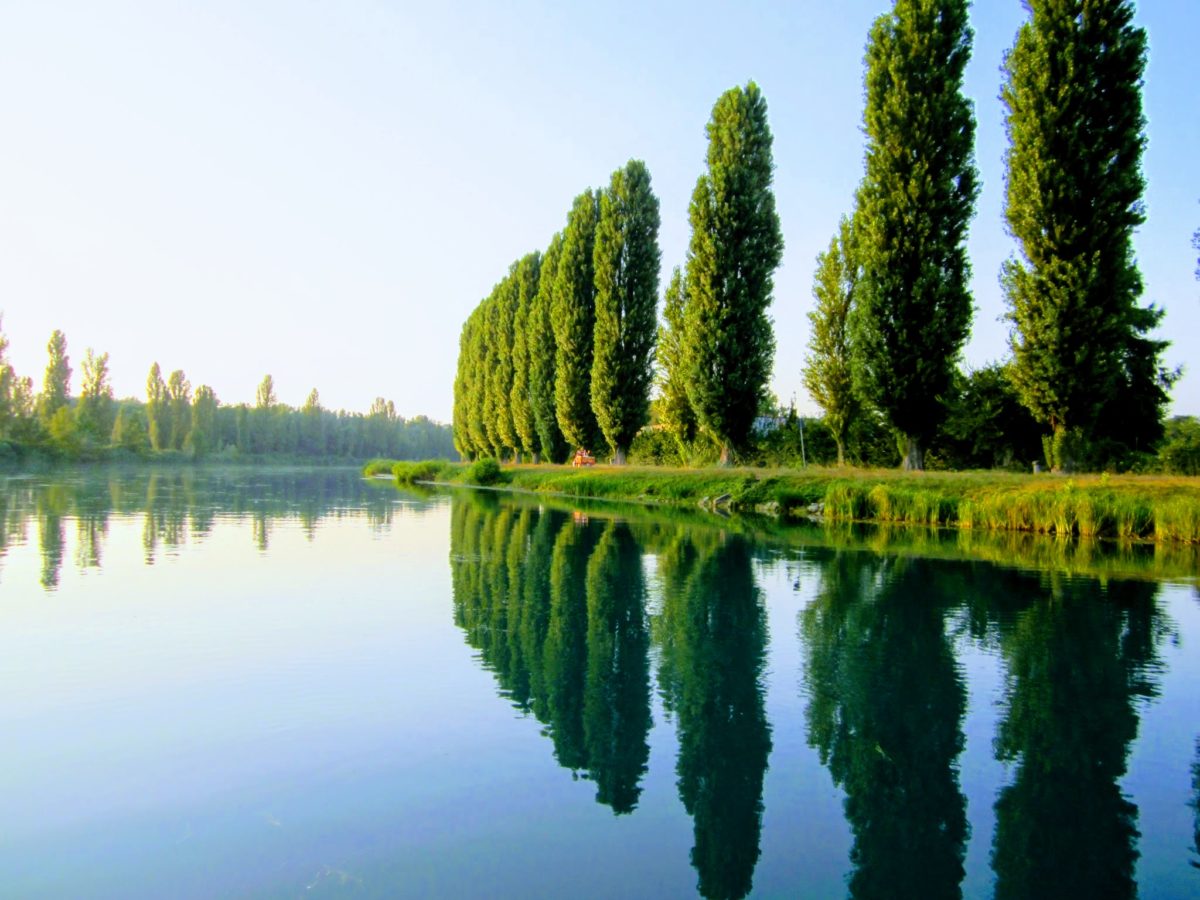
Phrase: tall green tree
[490,362]
[179,398]
[56,384]
[521,400]
[8,379]
[96,409]
[828,367]
[501,373]
[573,316]
[543,350]
[913,307]
[736,246]
[477,386]
[674,409]
[1073,102]
[202,434]
[625,261]
[158,409]
[460,415]
[264,397]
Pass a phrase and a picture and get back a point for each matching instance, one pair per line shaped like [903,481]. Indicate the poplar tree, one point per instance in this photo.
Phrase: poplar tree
[158,411]
[56,384]
[202,433]
[488,339]
[913,309]
[501,384]
[828,369]
[94,413]
[1083,364]
[520,399]
[574,319]
[477,386]
[179,398]
[736,246]
[674,409]
[542,351]
[626,260]
[463,385]
[8,377]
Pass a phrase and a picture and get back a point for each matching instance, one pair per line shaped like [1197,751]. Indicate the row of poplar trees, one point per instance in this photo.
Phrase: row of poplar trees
[893,307]
[561,354]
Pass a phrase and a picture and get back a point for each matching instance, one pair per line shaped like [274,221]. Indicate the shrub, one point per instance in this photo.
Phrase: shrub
[412,472]
[484,472]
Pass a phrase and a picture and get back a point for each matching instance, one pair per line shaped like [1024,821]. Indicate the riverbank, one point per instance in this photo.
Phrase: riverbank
[1122,507]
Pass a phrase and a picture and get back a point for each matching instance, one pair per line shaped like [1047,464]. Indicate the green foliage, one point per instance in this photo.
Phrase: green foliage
[500,376]
[573,316]
[1180,448]
[56,384]
[412,472]
[912,310]
[464,387]
[986,425]
[202,435]
[63,432]
[542,358]
[828,369]
[735,247]
[129,429]
[158,410]
[179,400]
[520,399]
[265,397]
[1083,363]
[484,472]
[673,409]
[626,260]
[8,379]
[96,408]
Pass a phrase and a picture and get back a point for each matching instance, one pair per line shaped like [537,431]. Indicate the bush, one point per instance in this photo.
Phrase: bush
[484,472]
[378,467]
[412,472]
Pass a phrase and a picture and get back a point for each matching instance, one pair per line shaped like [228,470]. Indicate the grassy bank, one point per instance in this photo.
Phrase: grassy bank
[1124,507]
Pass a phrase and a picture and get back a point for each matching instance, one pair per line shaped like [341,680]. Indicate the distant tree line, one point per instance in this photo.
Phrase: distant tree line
[174,419]
[561,354]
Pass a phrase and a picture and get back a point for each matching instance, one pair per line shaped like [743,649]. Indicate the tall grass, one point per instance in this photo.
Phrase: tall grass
[1129,508]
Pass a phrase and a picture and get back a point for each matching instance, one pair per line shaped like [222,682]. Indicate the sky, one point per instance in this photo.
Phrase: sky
[324,191]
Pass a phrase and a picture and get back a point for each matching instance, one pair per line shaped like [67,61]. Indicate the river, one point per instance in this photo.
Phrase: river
[288,683]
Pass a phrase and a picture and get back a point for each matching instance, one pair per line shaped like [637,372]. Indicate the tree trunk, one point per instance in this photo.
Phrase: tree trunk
[619,456]
[537,458]
[726,455]
[914,456]
[841,452]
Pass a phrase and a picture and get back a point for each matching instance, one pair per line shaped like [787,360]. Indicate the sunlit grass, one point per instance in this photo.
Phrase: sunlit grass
[1126,507]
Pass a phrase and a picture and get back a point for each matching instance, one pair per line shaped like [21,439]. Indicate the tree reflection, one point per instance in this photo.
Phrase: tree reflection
[713,635]
[557,611]
[616,707]
[174,506]
[1077,659]
[886,702]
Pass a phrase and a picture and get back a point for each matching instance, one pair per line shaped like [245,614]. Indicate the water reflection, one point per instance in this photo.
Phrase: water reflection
[557,607]
[557,610]
[713,637]
[175,506]
[886,702]
[1077,661]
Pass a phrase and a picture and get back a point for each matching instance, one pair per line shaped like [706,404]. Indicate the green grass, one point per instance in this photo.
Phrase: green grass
[1128,508]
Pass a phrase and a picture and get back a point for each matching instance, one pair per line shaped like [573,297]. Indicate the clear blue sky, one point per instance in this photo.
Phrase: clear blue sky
[323,191]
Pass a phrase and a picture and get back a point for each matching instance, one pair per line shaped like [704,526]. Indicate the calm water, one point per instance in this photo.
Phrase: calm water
[306,685]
